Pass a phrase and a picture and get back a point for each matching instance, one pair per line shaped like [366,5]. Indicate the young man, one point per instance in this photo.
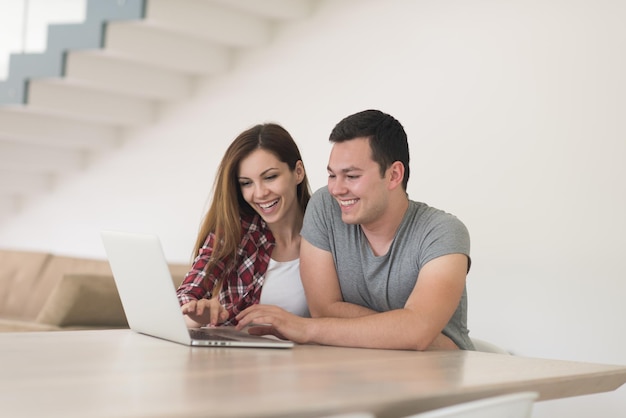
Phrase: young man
[379,270]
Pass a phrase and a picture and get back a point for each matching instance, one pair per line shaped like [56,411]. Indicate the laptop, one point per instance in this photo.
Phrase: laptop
[148,295]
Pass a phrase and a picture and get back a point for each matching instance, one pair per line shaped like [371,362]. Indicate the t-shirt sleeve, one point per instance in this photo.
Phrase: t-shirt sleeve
[316,224]
[447,235]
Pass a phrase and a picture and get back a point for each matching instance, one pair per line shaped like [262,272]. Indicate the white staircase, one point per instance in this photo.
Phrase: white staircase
[96,79]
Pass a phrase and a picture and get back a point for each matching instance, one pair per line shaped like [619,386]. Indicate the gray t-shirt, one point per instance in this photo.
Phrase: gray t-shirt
[384,283]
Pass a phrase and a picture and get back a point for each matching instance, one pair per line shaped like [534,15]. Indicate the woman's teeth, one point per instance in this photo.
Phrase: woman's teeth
[267,205]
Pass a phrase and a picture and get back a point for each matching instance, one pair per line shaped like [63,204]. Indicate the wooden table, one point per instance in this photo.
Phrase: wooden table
[117,373]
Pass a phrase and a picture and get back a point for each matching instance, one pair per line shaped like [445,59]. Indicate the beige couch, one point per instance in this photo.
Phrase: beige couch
[45,292]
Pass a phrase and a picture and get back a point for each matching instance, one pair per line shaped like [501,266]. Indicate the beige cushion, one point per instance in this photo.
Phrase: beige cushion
[52,275]
[19,272]
[84,300]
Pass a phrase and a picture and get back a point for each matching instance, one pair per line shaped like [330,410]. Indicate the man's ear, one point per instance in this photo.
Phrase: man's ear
[396,174]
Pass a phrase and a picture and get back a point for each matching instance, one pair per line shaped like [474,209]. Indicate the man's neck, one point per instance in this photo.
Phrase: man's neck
[380,233]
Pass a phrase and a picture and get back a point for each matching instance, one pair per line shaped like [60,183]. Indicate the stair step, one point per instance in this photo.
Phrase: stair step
[105,10]
[63,37]
[21,158]
[175,51]
[271,9]
[210,21]
[80,100]
[111,71]
[27,126]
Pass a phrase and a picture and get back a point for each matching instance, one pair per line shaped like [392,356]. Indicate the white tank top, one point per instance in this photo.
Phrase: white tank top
[282,287]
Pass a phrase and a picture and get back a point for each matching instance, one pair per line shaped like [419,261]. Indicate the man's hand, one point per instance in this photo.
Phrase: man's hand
[272,320]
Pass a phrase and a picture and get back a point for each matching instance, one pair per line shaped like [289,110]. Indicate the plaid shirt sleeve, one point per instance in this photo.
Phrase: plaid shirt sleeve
[194,285]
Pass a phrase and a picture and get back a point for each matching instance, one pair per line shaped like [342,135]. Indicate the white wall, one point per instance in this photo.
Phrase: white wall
[515,114]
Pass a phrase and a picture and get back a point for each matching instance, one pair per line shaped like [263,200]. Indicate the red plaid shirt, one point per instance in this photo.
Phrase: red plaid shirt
[242,283]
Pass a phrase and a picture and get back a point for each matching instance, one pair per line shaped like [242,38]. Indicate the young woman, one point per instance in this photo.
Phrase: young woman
[248,245]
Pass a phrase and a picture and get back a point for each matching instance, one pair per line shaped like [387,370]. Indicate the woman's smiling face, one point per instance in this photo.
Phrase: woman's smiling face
[269,186]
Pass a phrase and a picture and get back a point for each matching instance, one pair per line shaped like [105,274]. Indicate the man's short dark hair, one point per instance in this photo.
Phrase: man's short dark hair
[386,135]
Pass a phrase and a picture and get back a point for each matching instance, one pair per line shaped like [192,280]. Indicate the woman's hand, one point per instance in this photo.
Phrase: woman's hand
[204,312]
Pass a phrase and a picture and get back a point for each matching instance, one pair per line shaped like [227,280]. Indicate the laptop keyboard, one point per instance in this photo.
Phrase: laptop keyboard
[198,334]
